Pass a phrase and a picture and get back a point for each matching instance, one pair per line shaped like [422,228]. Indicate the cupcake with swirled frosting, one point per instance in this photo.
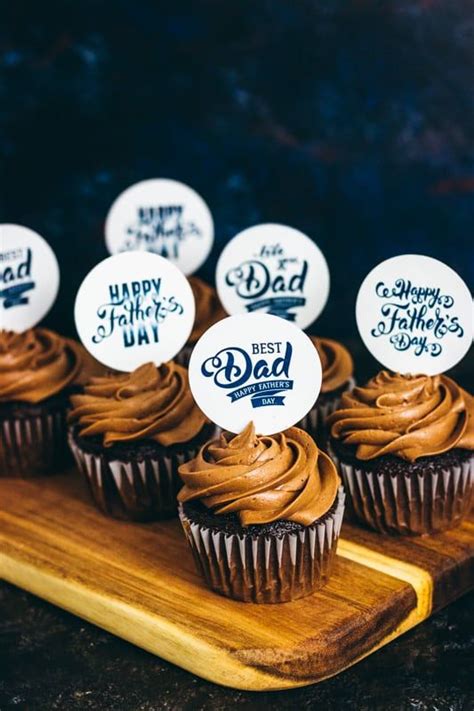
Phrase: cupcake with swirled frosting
[209,310]
[129,433]
[262,514]
[38,371]
[337,378]
[405,444]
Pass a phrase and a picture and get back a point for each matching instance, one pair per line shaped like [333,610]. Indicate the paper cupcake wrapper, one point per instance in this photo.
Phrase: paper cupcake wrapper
[184,355]
[349,514]
[34,445]
[410,504]
[315,420]
[142,490]
[266,569]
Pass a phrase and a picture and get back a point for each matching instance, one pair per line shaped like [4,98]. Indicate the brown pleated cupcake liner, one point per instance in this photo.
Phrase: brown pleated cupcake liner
[141,490]
[410,504]
[349,514]
[184,355]
[33,446]
[266,568]
[315,420]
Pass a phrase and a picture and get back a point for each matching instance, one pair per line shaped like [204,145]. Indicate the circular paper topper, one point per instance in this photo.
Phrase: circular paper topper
[134,308]
[273,269]
[164,217]
[29,278]
[258,368]
[414,314]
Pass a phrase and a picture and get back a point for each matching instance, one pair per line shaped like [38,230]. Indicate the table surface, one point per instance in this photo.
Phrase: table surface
[50,659]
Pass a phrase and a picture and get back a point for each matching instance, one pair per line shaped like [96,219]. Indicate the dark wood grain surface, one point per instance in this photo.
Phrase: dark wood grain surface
[138,581]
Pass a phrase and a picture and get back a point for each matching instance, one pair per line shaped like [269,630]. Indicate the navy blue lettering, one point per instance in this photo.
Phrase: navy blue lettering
[17,279]
[413,315]
[232,368]
[160,229]
[137,308]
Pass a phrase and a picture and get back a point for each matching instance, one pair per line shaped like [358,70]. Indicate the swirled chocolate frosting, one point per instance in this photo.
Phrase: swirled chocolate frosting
[408,416]
[208,308]
[336,362]
[149,403]
[39,363]
[262,479]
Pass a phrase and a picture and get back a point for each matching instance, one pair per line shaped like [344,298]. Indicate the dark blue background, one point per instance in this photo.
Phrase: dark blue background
[352,121]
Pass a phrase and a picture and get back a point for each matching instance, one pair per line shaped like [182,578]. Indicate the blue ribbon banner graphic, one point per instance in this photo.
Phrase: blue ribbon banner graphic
[15,295]
[278,306]
[263,394]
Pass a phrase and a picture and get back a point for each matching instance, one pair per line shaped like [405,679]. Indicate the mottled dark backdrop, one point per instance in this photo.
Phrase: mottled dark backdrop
[352,121]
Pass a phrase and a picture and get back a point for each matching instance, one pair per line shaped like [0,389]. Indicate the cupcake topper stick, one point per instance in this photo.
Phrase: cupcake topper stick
[273,269]
[165,217]
[29,278]
[414,314]
[133,308]
[257,368]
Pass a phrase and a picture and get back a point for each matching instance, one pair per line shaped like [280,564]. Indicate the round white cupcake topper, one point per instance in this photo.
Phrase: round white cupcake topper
[273,269]
[414,314]
[29,278]
[134,308]
[165,217]
[257,368]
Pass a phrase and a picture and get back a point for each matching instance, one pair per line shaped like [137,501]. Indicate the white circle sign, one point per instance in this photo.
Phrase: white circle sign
[414,314]
[165,217]
[134,308]
[29,278]
[256,368]
[273,269]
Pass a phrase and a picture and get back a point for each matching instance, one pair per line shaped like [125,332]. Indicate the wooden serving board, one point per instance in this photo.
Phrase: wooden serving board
[138,582]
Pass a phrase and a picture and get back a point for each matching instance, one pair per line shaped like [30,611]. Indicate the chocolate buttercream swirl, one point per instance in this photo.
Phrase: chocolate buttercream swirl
[38,363]
[336,362]
[408,416]
[149,403]
[262,478]
[208,308]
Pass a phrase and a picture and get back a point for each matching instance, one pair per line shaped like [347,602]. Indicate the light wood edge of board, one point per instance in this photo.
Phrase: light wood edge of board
[189,652]
[420,580]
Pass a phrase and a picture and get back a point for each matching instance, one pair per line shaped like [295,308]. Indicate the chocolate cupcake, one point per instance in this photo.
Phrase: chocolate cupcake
[38,371]
[262,515]
[208,311]
[130,432]
[405,446]
[338,368]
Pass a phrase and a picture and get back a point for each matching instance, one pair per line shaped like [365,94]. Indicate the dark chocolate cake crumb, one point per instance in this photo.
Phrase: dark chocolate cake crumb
[18,410]
[138,450]
[388,463]
[230,523]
